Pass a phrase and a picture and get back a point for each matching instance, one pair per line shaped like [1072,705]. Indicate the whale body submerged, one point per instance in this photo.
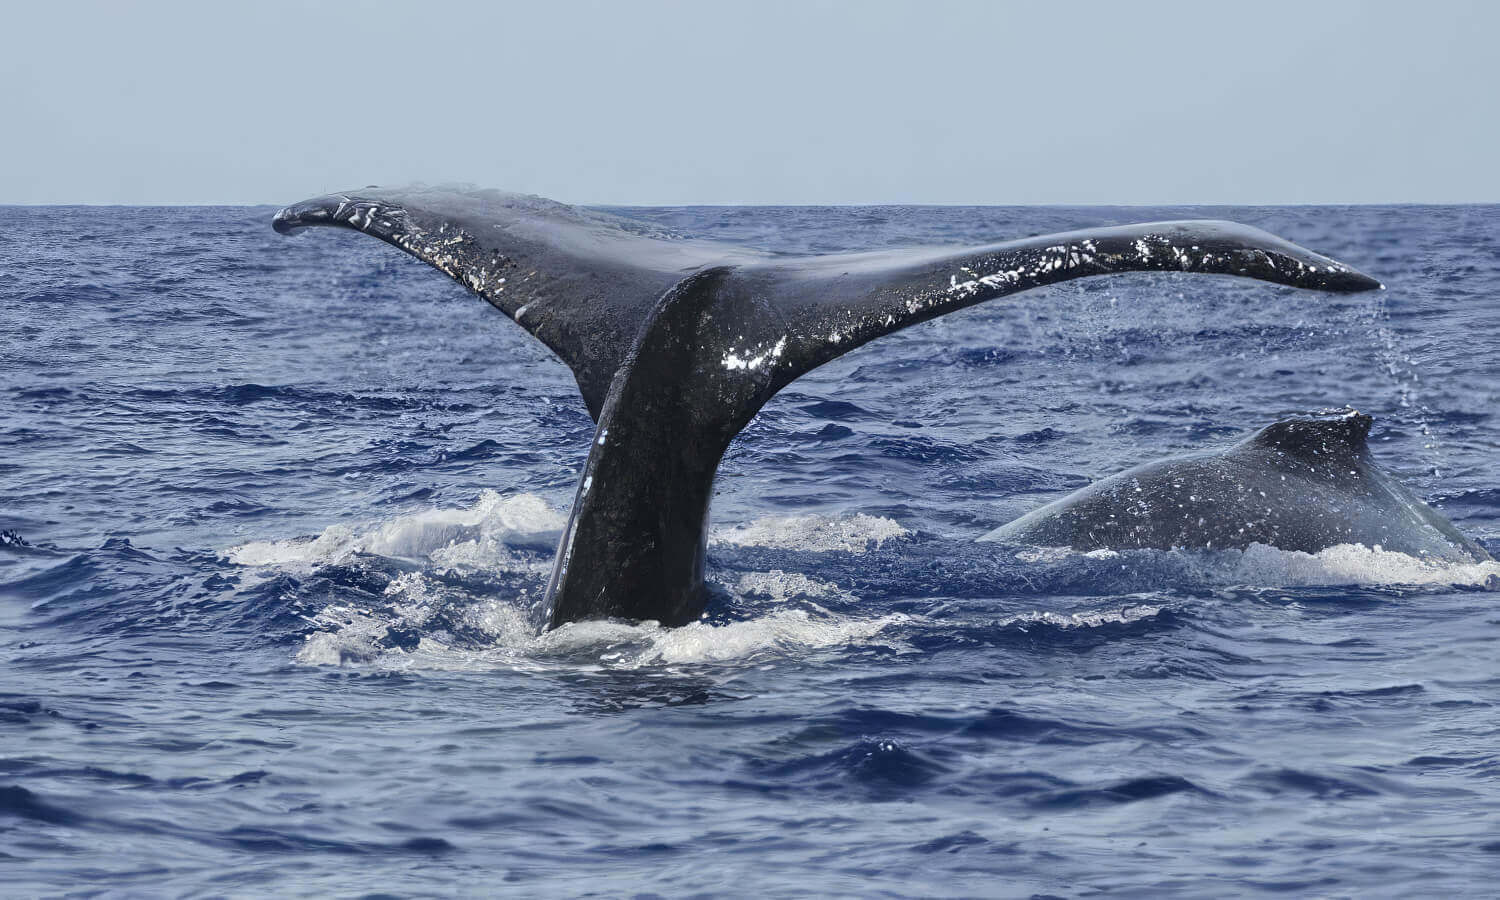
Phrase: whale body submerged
[676,343]
[1305,483]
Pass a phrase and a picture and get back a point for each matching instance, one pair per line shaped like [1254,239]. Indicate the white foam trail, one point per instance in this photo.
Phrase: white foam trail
[1351,564]
[351,634]
[1121,616]
[854,534]
[477,536]
[1260,565]
[484,536]
[783,631]
[612,645]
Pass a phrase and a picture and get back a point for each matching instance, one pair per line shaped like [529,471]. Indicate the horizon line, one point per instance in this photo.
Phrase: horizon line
[776,204]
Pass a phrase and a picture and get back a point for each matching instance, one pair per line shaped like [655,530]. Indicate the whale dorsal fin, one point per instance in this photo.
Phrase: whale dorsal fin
[584,282]
[1321,436]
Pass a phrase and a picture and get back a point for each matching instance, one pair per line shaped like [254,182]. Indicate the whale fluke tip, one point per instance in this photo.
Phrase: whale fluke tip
[1353,282]
[286,221]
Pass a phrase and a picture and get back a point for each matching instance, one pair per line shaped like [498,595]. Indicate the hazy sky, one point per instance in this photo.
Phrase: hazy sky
[754,102]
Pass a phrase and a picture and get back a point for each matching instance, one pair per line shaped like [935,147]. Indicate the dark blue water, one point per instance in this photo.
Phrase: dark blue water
[277,513]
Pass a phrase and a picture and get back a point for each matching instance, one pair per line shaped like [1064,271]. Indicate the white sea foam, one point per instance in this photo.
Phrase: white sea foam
[477,536]
[1264,566]
[487,535]
[783,631]
[1093,619]
[1348,564]
[853,533]
[352,633]
[353,636]
[481,537]
[782,586]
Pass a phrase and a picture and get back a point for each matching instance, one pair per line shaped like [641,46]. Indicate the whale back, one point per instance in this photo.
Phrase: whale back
[1305,483]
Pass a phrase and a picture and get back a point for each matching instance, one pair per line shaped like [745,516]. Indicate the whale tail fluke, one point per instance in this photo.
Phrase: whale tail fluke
[676,343]
[584,282]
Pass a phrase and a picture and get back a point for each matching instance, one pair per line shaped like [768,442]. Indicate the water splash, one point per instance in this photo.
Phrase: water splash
[1260,565]
[783,586]
[477,536]
[855,533]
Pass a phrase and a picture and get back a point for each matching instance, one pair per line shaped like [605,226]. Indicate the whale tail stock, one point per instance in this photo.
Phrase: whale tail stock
[677,343]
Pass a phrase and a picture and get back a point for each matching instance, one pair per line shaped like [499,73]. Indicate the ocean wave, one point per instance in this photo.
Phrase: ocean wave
[500,634]
[1122,615]
[426,619]
[439,617]
[477,536]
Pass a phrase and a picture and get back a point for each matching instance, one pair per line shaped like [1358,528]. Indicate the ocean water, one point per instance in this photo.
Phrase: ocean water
[277,513]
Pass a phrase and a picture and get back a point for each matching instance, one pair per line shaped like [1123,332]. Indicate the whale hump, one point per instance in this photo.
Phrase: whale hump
[1333,434]
[585,282]
[1305,483]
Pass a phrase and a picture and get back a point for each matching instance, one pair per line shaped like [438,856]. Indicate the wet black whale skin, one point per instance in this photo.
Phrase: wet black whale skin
[1303,483]
[677,343]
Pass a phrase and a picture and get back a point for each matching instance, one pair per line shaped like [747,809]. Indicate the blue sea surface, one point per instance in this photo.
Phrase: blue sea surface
[275,517]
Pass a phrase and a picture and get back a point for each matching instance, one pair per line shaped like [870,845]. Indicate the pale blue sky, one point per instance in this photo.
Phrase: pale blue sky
[755,102]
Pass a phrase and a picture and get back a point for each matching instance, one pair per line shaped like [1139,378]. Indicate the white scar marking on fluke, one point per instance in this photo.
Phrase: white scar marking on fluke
[733,361]
[1041,262]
